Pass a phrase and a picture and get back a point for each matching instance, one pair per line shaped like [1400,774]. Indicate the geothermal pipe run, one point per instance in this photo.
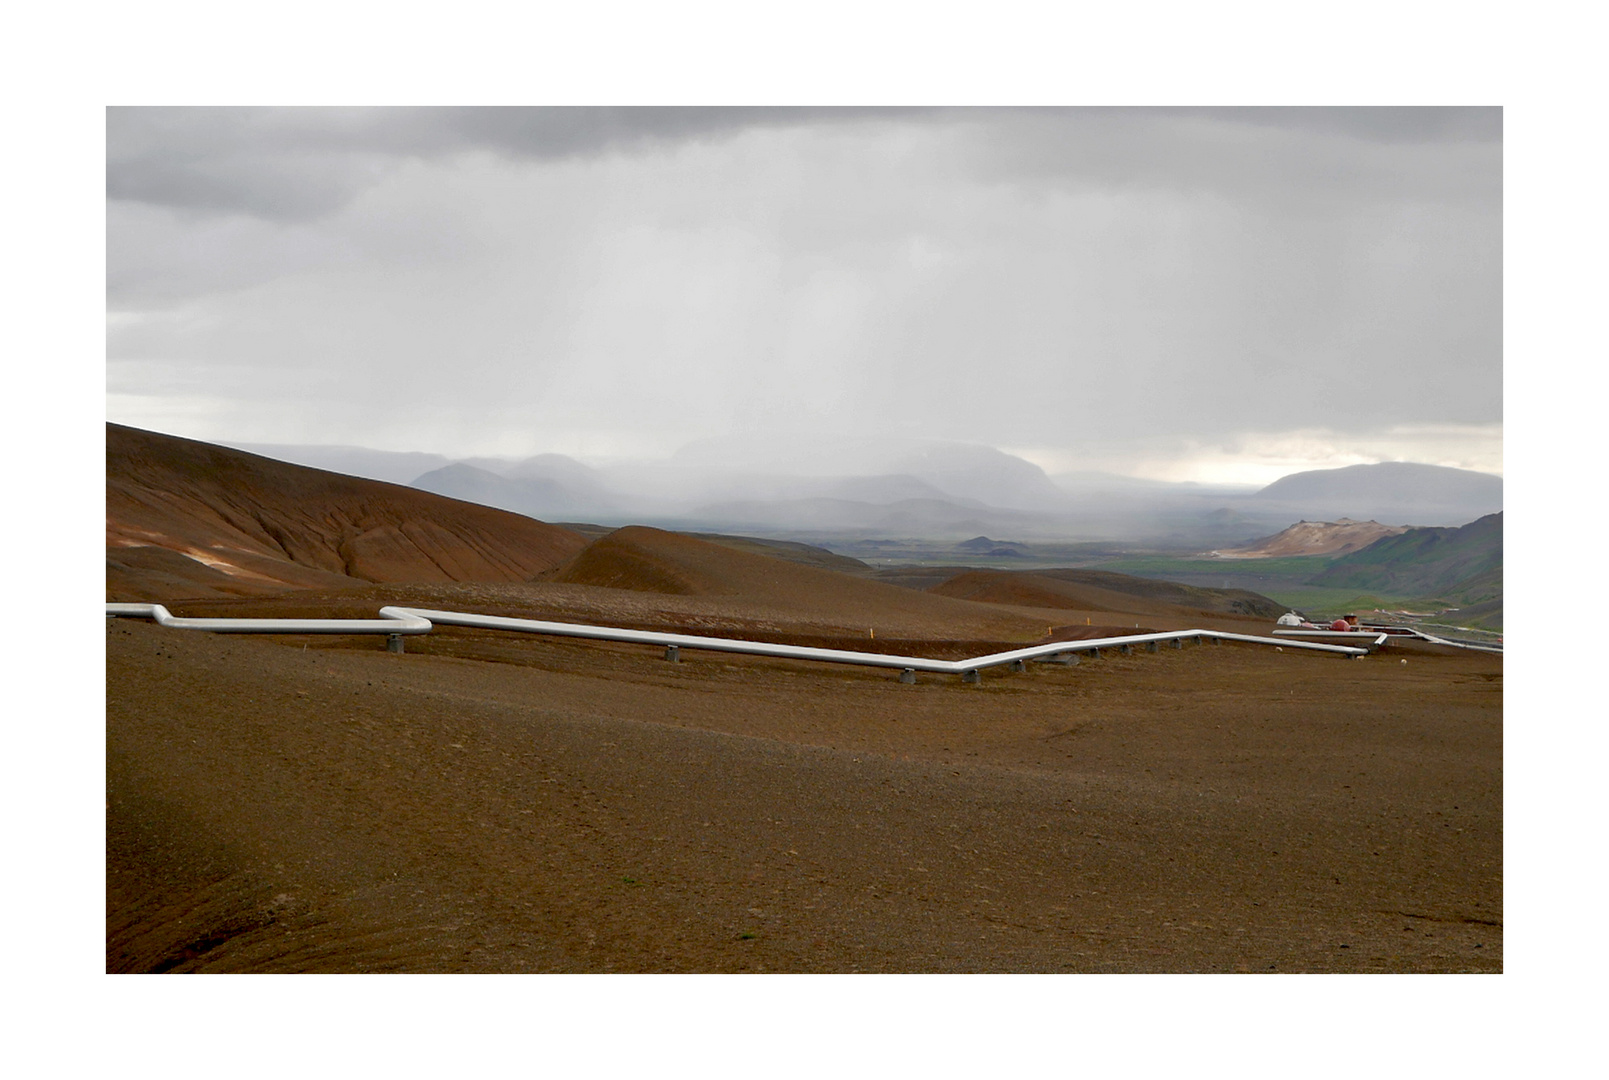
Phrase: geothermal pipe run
[1376,636]
[397,622]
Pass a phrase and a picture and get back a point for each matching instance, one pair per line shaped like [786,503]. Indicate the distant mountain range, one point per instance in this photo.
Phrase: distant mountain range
[935,490]
[1391,492]
[529,493]
[192,519]
[390,466]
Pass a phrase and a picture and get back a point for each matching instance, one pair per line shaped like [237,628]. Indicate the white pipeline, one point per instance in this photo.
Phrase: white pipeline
[400,620]
[1377,637]
[394,621]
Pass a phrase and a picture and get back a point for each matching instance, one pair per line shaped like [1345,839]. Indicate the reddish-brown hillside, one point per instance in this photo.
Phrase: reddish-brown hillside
[1315,538]
[189,519]
[1099,590]
[1032,590]
[643,559]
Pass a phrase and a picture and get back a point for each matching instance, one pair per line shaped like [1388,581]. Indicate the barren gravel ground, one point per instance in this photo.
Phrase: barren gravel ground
[498,803]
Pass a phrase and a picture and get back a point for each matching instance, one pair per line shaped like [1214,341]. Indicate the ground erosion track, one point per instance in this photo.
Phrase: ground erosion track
[272,808]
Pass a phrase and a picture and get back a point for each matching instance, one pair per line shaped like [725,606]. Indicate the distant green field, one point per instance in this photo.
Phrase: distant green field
[1285,580]
[1311,600]
[1295,569]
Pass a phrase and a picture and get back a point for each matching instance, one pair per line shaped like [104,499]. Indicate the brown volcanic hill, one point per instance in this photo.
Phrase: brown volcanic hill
[789,550]
[1315,538]
[189,519]
[643,559]
[1100,590]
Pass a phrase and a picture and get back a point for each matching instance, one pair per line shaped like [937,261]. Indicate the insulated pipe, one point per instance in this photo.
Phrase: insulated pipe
[1373,638]
[1465,645]
[840,656]
[1332,635]
[394,621]
[681,641]
[400,620]
[1382,636]
[1434,640]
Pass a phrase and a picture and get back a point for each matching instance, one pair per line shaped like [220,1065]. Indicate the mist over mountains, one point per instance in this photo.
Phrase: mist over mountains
[1392,492]
[889,488]
[390,466]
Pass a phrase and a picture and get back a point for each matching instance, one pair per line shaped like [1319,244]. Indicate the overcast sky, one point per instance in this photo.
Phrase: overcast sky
[1183,294]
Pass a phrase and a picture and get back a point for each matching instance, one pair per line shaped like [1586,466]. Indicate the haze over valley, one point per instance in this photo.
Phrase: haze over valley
[932,491]
[965,505]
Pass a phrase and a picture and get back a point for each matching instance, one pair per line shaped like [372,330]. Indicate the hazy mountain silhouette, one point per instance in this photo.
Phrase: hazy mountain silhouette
[990,476]
[532,494]
[389,466]
[908,488]
[1391,492]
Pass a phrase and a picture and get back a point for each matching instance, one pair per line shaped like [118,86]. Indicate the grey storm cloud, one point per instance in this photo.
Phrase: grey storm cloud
[292,164]
[295,163]
[1072,282]
[1378,123]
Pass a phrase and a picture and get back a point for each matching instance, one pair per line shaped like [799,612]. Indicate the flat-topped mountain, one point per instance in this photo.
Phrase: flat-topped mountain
[1394,492]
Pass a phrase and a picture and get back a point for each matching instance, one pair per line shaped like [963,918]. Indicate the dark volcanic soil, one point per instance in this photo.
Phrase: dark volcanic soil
[498,803]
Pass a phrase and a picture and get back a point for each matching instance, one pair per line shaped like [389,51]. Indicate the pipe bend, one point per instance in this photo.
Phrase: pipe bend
[392,621]
[407,621]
